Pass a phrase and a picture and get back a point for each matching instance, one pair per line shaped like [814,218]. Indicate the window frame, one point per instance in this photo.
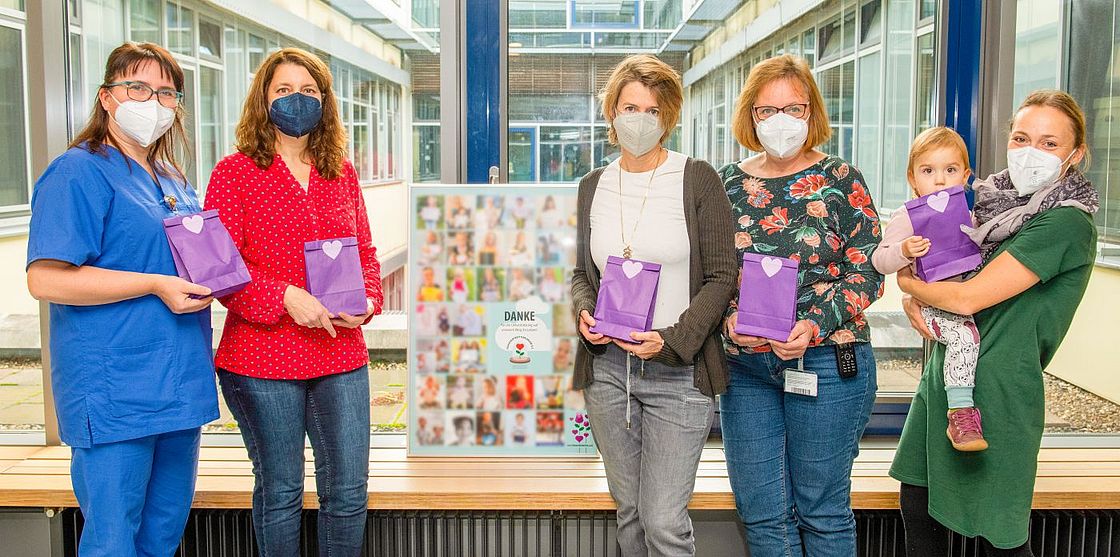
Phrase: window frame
[15,218]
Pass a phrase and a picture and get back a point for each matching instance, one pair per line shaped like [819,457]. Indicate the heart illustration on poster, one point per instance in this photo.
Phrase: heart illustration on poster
[332,248]
[194,223]
[938,201]
[771,266]
[631,268]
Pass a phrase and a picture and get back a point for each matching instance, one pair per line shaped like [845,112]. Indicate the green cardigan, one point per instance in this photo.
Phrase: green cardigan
[713,276]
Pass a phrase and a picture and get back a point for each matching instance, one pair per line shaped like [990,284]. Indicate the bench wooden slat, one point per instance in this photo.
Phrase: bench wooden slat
[1074,478]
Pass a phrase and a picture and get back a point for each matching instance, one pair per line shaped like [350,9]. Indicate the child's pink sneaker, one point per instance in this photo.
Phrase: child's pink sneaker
[965,431]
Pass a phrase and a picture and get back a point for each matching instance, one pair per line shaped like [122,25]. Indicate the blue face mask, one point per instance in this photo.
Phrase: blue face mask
[296,115]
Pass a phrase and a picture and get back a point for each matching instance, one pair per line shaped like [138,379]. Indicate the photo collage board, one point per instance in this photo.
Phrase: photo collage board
[491,334]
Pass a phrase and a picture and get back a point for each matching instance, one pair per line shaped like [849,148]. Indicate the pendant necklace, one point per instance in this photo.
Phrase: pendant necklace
[627,252]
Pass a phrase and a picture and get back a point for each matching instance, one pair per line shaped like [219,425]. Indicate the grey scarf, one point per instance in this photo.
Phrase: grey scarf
[1000,212]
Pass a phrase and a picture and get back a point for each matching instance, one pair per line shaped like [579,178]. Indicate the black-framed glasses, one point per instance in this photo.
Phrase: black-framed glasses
[797,110]
[141,92]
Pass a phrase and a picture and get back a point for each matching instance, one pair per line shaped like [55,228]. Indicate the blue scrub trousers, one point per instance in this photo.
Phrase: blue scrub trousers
[135,495]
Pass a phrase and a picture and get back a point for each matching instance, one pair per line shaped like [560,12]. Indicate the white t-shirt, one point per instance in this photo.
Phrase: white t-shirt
[661,235]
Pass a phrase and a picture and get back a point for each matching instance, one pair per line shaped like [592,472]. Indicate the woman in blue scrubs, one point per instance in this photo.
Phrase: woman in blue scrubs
[132,373]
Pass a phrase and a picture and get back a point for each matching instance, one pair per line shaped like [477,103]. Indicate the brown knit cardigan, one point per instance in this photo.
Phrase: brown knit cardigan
[713,274]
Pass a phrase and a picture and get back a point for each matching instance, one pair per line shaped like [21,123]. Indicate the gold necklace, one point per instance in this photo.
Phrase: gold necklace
[626,251]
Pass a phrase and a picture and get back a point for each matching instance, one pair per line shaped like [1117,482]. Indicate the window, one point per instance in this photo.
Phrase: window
[897,118]
[869,115]
[209,144]
[604,13]
[190,167]
[871,22]
[180,29]
[144,21]
[100,40]
[538,14]
[14,180]
[257,52]
[237,77]
[928,9]
[549,108]
[662,14]
[837,88]
[1036,47]
[565,153]
[209,39]
[926,82]
[426,13]
[1093,82]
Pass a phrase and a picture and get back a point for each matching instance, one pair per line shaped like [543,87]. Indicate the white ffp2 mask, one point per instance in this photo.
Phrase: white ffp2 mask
[1032,169]
[782,135]
[145,122]
[637,132]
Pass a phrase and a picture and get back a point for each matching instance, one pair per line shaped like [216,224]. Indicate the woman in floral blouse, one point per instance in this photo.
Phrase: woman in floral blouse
[789,455]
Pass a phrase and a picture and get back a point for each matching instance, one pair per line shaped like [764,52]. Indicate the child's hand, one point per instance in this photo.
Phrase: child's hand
[915,246]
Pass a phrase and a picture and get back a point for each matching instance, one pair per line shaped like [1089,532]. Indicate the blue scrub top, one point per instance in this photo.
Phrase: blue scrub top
[133,368]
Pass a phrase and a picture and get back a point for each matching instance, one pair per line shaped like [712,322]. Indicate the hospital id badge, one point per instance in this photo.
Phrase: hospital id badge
[799,381]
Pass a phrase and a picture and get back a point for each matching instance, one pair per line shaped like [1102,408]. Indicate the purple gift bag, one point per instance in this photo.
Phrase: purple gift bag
[334,275]
[767,297]
[627,292]
[204,253]
[939,216]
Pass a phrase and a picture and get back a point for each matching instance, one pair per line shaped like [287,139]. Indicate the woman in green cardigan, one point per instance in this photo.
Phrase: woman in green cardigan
[1036,221]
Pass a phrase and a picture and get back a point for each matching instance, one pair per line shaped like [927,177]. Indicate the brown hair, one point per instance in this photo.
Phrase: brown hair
[659,77]
[937,137]
[1065,103]
[256,135]
[786,66]
[124,60]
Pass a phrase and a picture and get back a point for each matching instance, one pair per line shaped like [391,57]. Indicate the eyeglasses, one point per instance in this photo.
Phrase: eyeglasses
[141,92]
[797,110]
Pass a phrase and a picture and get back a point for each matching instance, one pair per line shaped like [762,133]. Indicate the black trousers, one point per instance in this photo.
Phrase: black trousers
[926,537]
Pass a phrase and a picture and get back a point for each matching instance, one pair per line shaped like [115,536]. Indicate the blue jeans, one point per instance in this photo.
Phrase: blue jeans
[651,467]
[274,415]
[789,456]
[135,495]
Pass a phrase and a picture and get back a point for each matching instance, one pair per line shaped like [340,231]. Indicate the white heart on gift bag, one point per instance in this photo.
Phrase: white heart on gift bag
[631,268]
[771,266]
[332,248]
[967,229]
[194,223]
[938,201]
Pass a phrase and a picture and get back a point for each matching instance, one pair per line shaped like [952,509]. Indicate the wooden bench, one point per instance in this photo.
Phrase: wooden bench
[1068,478]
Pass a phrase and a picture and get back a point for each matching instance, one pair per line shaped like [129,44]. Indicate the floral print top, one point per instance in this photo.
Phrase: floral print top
[824,218]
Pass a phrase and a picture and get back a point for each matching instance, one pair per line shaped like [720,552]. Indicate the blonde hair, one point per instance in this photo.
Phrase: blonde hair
[656,75]
[786,66]
[1065,103]
[939,137]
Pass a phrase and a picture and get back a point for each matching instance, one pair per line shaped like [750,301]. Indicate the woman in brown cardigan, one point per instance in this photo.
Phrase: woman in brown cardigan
[658,206]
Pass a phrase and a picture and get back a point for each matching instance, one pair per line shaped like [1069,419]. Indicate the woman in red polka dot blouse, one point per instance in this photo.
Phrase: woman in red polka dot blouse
[286,365]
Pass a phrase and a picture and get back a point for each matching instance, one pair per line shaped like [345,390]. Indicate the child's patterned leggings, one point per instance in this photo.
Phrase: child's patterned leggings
[962,346]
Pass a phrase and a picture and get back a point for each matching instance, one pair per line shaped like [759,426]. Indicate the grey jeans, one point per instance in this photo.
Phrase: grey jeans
[651,467]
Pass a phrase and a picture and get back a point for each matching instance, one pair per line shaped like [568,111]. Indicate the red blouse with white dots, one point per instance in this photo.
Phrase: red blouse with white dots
[270,217]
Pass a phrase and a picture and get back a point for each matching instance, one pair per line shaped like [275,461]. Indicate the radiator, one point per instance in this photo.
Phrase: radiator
[228,533]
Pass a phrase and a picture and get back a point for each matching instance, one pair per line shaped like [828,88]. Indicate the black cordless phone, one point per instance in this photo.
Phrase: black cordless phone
[846,360]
